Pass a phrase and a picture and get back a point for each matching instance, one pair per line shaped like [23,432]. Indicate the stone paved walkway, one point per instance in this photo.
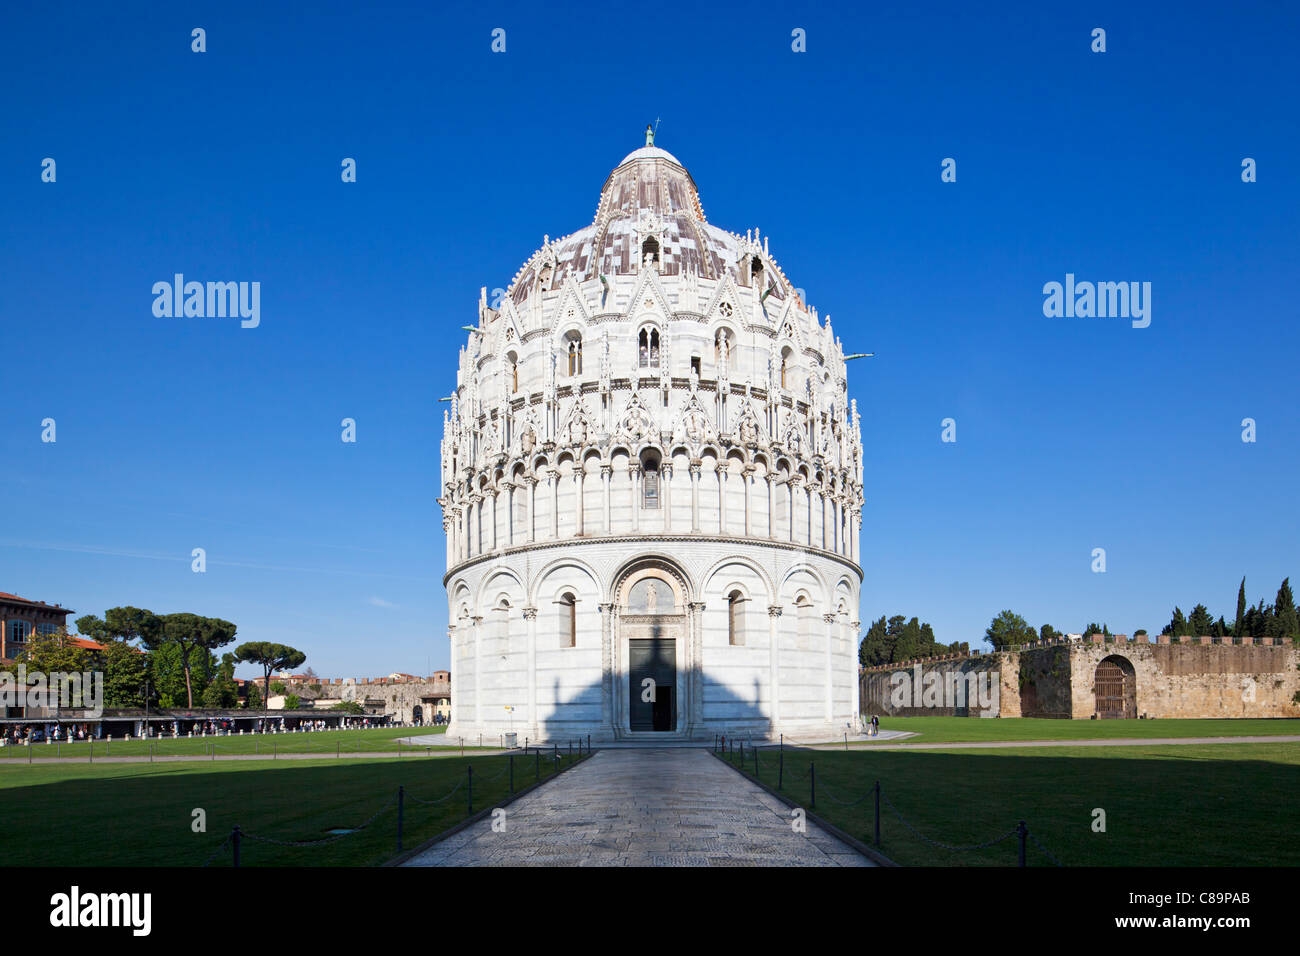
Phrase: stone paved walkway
[644,808]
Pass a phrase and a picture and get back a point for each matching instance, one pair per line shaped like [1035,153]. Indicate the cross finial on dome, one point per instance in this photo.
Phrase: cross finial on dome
[649,135]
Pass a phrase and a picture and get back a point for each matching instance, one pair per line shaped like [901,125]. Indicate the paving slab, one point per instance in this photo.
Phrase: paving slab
[644,807]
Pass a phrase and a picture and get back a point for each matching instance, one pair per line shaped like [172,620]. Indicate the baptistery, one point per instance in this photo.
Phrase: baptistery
[651,487]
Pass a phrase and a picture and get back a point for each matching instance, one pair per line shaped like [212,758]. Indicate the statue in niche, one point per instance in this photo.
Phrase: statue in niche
[578,429]
[695,421]
[650,596]
[637,422]
[528,437]
[747,427]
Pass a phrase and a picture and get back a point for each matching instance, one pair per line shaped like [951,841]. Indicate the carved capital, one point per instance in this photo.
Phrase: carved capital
[605,608]
[774,610]
[530,614]
[828,618]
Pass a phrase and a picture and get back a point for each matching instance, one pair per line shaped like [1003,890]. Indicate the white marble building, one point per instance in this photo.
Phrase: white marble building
[652,487]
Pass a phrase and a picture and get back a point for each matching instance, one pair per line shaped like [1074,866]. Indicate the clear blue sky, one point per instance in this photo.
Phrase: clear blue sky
[1072,434]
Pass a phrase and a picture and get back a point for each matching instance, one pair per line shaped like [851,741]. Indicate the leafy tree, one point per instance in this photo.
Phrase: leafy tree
[277,687]
[120,624]
[352,707]
[873,649]
[53,652]
[1009,629]
[909,639]
[190,632]
[126,668]
[223,691]
[168,674]
[1095,628]
[1048,633]
[254,698]
[292,701]
[269,656]
[1200,621]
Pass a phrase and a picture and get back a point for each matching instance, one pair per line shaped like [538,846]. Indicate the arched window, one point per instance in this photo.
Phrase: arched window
[803,610]
[650,252]
[785,364]
[568,619]
[650,485]
[648,348]
[736,619]
[575,355]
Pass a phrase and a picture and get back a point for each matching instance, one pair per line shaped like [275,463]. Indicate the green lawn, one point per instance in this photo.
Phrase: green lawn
[140,814]
[325,743]
[1173,805]
[964,729]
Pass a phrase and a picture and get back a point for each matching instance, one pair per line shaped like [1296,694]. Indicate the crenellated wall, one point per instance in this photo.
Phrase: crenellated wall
[1171,678]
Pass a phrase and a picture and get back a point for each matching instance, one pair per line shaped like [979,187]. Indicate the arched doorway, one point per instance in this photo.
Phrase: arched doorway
[1115,688]
[417,714]
[651,648]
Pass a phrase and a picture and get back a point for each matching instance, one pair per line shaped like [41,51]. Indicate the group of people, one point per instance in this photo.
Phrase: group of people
[35,733]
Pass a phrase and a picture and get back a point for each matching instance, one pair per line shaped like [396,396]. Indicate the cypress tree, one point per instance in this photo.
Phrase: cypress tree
[1240,623]
[1284,612]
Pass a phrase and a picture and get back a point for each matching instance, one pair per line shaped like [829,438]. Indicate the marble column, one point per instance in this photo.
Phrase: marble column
[696,467]
[721,471]
[829,621]
[577,485]
[534,725]
[606,472]
[666,478]
[606,666]
[774,640]
[634,474]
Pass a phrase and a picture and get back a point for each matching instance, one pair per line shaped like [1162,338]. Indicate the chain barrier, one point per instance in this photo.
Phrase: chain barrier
[945,846]
[224,843]
[1055,861]
[332,839]
[823,792]
[430,803]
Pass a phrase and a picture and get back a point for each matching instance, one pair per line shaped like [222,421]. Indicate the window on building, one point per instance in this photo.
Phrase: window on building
[736,618]
[47,628]
[568,620]
[575,356]
[785,364]
[695,365]
[19,631]
[648,348]
[513,361]
[650,486]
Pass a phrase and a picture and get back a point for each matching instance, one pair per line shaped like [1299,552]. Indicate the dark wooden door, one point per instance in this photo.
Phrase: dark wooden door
[655,659]
[1111,690]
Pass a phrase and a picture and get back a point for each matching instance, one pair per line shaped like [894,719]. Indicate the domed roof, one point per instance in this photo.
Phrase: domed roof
[648,204]
[650,152]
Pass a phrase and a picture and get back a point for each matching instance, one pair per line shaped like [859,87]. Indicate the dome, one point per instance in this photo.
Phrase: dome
[650,152]
[648,194]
